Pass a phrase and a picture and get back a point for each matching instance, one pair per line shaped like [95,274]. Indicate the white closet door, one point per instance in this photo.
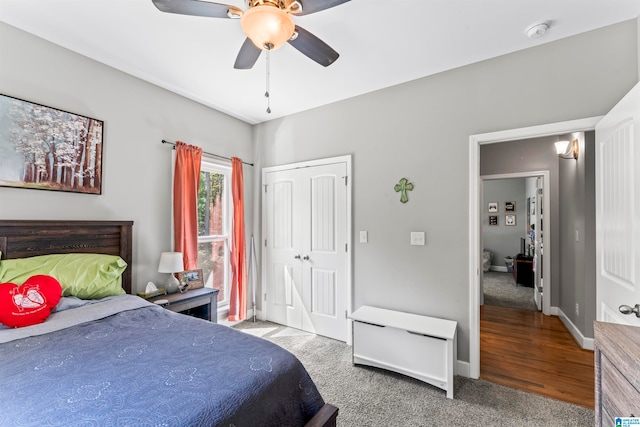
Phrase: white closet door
[305,253]
[282,251]
[324,250]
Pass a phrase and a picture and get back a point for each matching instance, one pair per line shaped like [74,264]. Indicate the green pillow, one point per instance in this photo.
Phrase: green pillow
[85,276]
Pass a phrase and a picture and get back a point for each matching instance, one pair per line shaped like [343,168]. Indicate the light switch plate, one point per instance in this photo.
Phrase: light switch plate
[417,238]
[364,237]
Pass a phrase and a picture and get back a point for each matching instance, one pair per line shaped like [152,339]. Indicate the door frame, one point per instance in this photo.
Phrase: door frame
[306,164]
[546,201]
[475,227]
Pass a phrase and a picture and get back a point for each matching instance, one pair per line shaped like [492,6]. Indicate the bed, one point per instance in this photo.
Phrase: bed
[121,360]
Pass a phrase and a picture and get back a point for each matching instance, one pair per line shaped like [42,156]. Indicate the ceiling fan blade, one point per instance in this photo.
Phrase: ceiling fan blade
[313,6]
[247,56]
[196,8]
[313,47]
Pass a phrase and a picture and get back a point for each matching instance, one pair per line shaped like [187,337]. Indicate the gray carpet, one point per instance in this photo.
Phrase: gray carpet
[375,397]
[501,289]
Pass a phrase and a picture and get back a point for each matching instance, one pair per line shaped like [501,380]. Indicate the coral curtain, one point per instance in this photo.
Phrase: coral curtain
[186,179]
[238,297]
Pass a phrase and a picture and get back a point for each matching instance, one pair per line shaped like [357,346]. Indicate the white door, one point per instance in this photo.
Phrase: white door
[618,211]
[282,248]
[306,249]
[538,245]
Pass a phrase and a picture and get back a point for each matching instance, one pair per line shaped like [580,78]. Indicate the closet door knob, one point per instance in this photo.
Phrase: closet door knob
[625,309]
[297,256]
[306,258]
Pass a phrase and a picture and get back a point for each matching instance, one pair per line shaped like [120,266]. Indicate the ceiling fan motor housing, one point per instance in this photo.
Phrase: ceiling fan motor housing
[293,6]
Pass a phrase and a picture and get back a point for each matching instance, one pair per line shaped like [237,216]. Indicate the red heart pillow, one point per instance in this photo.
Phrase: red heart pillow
[30,303]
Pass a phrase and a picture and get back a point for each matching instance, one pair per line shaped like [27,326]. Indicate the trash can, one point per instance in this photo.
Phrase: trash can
[509,263]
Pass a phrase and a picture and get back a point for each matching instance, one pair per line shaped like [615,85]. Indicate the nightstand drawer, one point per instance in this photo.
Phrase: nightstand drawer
[186,305]
[202,303]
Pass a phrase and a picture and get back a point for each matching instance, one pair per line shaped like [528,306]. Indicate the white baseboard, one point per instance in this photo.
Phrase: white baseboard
[583,342]
[502,269]
[463,368]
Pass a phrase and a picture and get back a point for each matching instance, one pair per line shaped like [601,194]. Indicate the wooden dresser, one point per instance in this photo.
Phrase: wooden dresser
[617,372]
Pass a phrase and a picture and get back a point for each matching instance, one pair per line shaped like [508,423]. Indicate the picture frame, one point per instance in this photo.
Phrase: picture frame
[193,278]
[510,219]
[510,206]
[492,207]
[45,148]
[493,219]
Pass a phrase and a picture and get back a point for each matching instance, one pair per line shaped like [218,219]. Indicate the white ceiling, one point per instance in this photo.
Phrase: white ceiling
[381,43]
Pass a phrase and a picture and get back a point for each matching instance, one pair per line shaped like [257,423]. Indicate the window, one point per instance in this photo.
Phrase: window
[214,226]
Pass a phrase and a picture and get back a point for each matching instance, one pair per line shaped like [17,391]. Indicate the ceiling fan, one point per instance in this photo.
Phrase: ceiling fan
[268,25]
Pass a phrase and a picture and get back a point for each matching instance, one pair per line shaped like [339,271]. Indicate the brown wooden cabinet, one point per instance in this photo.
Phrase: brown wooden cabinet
[617,372]
[523,270]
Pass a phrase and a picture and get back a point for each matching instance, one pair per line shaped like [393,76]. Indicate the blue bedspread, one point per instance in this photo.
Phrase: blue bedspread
[152,367]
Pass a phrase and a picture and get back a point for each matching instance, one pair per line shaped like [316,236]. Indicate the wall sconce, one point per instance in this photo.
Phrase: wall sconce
[568,150]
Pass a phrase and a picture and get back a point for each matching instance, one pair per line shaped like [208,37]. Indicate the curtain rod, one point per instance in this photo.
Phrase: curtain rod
[210,154]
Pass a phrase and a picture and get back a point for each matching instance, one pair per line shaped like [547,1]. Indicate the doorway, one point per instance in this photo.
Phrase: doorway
[512,240]
[475,191]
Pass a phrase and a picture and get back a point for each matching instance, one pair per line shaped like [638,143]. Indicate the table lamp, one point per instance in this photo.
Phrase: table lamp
[171,262]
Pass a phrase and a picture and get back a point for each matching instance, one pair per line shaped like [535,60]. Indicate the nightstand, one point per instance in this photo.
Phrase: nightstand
[201,302]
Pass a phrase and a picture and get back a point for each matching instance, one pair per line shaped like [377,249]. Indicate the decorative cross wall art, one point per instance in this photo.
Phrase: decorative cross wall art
[403,186]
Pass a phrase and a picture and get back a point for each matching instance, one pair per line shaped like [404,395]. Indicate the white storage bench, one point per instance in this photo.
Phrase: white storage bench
[418,346]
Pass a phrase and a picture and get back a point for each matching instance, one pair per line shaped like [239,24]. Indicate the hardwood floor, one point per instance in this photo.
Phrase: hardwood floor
[529,351]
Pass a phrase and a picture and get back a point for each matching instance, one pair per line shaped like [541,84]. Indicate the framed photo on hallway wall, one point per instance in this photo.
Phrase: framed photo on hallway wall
[510,219]
[492,207]
[509,206]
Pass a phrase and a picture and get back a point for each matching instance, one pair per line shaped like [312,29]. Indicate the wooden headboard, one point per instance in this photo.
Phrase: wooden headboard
[27,238]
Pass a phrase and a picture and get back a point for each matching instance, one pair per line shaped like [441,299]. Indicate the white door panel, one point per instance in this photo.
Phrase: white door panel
[618,210]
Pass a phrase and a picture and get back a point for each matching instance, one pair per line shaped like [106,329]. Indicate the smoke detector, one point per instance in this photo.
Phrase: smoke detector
[537,30]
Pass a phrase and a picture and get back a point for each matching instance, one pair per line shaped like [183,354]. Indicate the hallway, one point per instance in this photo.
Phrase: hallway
[529,351]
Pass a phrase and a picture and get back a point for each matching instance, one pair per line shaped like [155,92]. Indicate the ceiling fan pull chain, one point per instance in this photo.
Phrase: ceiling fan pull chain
[266,94]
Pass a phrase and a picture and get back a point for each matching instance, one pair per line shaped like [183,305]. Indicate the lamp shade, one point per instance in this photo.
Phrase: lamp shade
[568,150]
[561,147]
[268,27]
[170,262]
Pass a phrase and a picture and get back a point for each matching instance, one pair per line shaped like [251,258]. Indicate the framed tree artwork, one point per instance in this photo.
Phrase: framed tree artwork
[49,149]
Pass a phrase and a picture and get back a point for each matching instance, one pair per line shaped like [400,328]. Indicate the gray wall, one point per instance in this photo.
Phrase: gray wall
[420,130]
[578,256]
[502,240]
[137,166]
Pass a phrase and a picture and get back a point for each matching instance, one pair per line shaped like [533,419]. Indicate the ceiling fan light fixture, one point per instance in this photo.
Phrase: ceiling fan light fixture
[268,27]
